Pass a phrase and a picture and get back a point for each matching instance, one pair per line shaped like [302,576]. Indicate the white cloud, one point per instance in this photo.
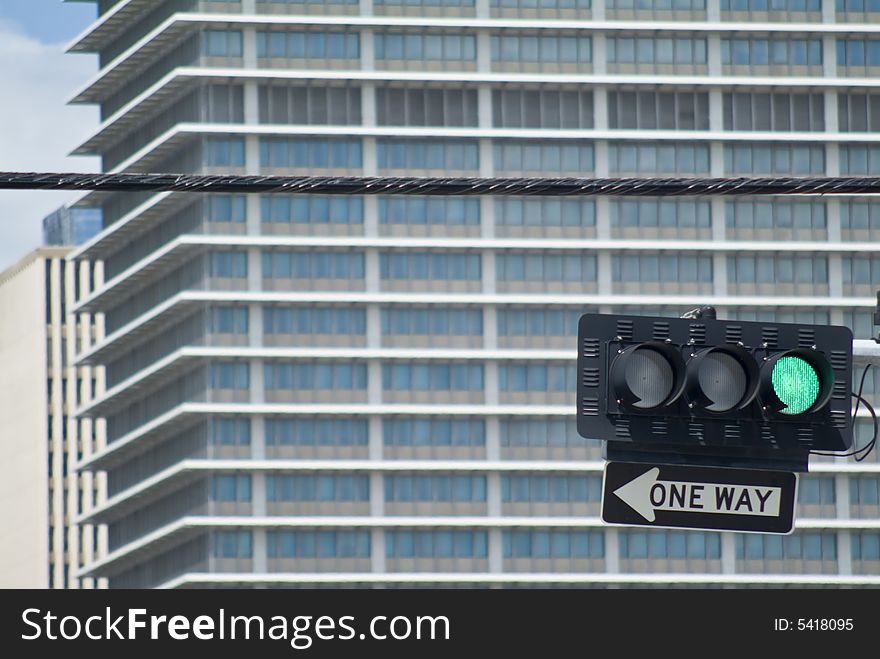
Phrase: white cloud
[37,130]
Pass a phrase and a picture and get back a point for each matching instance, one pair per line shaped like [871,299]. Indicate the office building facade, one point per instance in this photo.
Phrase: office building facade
[40,388]
[71,226]
[380,390]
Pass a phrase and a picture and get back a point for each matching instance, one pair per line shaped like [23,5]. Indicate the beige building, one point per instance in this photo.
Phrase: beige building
[41,545]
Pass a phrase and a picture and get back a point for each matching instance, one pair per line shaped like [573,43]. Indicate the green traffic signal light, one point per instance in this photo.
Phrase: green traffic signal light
[796,384]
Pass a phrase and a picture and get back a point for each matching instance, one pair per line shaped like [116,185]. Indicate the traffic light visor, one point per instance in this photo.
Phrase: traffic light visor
[723,380]
[648,376]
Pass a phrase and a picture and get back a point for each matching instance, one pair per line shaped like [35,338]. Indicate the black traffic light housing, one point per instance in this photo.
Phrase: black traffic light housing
[704,391]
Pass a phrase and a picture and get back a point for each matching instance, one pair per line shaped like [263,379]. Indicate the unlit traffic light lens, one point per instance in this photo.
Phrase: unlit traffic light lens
[650,377]
[723,381]
[796,384]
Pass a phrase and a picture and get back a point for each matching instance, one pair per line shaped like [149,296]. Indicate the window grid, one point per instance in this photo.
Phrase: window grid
[653,158]
[864,491]
[226,208]
[418,431]
[436,544]
[230,375]
[436,487]
[859,160]
[410,154]
[776,214]
[541,4]
[312,265]
[430,265]
[656,50]
[309,209]
[541,48]
[816,490]
[858,112]
[553,544]
[860,270]
[648,110]
[660,213]
[230,431]
[546,267]
[772,5]
[774,112]
[314,320]
[779,268]
[314,375]
[751,160]
[420,46]
[428,321]
[433,106]
[320,487]
[781,315]
[232,544]
[222,43]
[308,44]
[807,545]
[661,268]
[537,377]
[309,105]
[865,545]
[857,6]
[231,487]
[228,320]
[429,210]
[316,431]
[538,322]
[518,157]
[318,544]
[669,544]
[299,153]
[512,211]
[858,52]
[556,488]
[775,51]
[514,107]
[432,377]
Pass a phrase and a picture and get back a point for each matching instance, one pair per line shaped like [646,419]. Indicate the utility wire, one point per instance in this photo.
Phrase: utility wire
[863,452]
[145,182]
[440,186]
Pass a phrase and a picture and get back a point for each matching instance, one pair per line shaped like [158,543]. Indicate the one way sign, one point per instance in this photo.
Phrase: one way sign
[690,497]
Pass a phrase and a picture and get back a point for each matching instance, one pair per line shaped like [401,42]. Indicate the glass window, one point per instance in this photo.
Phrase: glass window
[312,44]
[228,320]
[866,546]
[220,152]
[222,43]
[460,322]
[229,375]
[233,544]
[310,153]
[226,208]
[647,50]
[421,46]
[420,265]
[230,431]
[816,490]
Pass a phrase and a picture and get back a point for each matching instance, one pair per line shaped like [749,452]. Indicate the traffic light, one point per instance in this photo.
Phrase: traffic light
[714,392]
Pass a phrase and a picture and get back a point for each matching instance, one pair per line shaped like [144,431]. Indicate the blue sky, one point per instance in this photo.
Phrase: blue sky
[49,21]
[38,129]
